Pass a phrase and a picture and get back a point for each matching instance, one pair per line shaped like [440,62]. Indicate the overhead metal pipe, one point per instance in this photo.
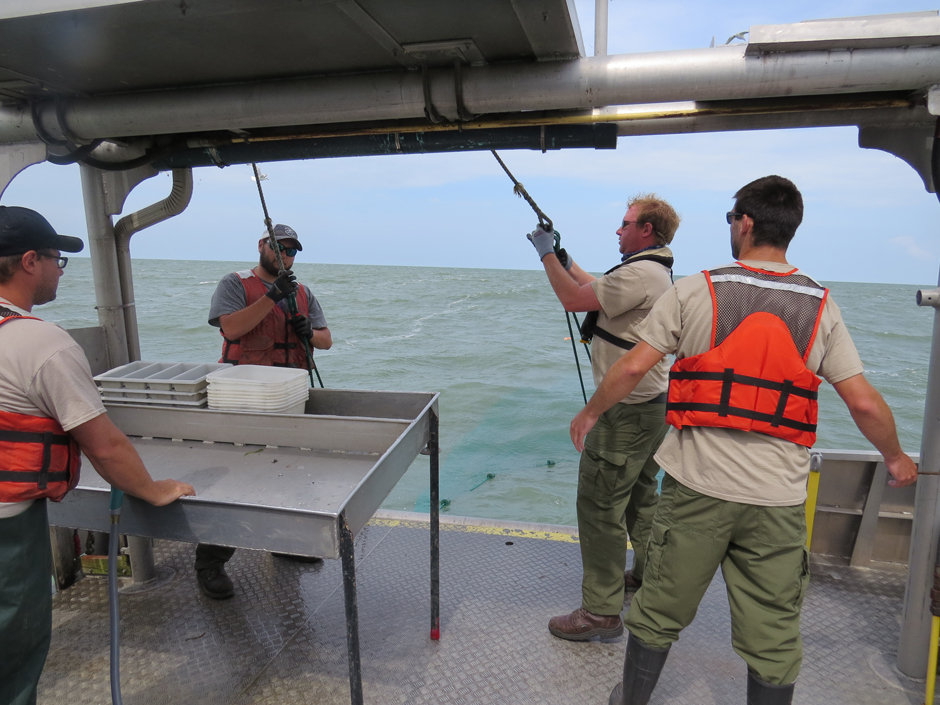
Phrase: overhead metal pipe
[721,73]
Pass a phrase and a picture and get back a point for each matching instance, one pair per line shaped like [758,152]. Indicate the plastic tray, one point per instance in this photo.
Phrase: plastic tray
[254,375]
[185,377]
[297,408]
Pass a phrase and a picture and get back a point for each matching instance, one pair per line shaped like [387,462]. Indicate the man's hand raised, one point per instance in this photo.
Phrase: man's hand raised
[283,286]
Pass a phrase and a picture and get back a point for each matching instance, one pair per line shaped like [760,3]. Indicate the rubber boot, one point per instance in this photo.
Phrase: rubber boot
[761,693]
[641,669]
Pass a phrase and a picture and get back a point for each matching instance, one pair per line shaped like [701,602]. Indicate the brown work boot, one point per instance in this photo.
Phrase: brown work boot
[630,584]
[582,625]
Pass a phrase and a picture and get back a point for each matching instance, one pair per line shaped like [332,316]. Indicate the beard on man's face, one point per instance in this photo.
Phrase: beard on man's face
[268,261]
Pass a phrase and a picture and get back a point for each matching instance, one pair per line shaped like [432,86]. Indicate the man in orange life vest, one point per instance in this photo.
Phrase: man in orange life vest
[749,340]
[50,413]
[250,308]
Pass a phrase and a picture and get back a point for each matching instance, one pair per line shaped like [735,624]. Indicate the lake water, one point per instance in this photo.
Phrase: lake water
[494,343]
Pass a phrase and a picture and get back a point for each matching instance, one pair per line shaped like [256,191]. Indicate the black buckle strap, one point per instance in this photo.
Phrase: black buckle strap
[46,460]
[34,437]
[782,403]
[743,413]
[33,476]
[727,379]
[613,339]
[744,379]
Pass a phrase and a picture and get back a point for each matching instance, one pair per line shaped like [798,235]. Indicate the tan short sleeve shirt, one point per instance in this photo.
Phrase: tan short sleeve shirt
[626,296]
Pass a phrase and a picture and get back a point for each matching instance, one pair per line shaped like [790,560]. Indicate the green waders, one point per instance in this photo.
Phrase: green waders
[763,558]
[25,603]
[617,496]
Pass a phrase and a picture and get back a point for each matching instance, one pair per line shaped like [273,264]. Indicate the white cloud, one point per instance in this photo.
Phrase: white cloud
[909,245]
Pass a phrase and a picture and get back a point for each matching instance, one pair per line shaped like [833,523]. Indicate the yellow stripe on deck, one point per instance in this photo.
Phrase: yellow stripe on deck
[469,525]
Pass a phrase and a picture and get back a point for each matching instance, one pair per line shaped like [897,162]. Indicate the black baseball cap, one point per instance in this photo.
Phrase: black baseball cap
[22,230]
[284,232]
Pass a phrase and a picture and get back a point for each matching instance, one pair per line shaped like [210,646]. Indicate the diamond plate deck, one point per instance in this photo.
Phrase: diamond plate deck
[281,639]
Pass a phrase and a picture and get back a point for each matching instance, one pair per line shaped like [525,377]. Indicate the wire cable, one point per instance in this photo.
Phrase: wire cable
[292,299]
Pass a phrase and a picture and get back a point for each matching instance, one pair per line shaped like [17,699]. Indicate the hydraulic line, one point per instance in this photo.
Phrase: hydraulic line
[545,223]
[292,299]
[117,500]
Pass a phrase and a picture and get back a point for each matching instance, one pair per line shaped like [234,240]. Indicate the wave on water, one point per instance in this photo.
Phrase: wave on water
[495,344]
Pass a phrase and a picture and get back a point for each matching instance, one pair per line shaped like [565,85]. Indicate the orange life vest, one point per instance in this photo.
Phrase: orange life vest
[754,376]
[37,457]
[272,342]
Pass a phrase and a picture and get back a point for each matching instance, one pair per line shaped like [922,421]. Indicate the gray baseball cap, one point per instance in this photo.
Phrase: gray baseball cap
[22,230]
[284,232]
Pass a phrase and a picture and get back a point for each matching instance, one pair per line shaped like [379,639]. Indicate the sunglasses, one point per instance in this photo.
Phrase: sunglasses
[731,215]
[60,261]
[289,251]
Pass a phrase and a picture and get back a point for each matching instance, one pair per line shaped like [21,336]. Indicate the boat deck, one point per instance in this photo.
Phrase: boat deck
[282,638]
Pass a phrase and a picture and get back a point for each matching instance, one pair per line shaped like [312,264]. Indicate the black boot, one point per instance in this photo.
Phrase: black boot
[641,669]
[761,693]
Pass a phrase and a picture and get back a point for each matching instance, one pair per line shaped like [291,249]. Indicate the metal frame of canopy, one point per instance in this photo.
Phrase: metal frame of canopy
[879,73]
[356,444]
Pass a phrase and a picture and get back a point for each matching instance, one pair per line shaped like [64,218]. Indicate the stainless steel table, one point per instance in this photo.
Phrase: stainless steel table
[300,484]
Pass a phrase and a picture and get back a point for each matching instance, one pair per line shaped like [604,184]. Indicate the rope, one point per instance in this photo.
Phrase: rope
[292,299]
[546,224]
[544,221]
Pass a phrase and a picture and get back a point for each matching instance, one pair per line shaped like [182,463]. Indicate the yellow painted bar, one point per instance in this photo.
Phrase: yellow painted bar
[812,492]
[932,660]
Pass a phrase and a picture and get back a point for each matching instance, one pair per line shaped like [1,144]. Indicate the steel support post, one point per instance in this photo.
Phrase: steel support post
[435,447]
[915,624]
[347,553]
[104,264]
[110,305]
[600,27]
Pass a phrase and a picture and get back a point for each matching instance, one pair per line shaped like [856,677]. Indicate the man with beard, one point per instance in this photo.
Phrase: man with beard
[250,309]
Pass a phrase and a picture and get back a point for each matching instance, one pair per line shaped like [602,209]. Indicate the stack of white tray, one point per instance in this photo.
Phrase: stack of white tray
[179,384]
[276,390]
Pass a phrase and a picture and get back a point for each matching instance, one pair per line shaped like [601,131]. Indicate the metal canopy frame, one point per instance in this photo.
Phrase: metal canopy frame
[390,67]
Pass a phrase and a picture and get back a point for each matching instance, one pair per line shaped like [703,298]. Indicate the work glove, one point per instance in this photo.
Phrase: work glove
[283,286]
[565,259]
[543,241]
[302,327]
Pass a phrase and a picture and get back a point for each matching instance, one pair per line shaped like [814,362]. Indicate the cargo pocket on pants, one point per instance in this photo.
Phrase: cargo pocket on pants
[655,552]
[601,474]
[804,579]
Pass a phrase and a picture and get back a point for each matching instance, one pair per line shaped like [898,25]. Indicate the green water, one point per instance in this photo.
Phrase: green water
[493,342]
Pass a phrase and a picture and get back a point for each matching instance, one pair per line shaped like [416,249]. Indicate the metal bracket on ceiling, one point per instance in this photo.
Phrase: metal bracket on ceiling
[913,144]
[462,111]
[63,125]
[429,110]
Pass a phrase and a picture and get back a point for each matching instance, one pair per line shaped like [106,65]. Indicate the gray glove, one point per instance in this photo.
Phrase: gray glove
[542,241]
[283,286]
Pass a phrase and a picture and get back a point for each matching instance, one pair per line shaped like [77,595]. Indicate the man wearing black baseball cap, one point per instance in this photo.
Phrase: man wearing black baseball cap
[250,308]
[50,415]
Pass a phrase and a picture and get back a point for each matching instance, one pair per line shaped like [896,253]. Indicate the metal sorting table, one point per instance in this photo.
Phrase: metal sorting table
[300,484]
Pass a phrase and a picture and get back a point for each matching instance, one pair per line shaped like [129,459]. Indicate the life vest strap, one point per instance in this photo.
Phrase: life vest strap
[33,437]
[33,476]
[744,413]
[599,332]
[733,378]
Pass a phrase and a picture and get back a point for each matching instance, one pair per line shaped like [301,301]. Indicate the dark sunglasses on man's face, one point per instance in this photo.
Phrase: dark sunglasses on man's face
[289,251]
[731,215]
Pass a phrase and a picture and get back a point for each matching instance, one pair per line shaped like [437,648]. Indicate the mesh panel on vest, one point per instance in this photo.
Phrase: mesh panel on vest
[735,301]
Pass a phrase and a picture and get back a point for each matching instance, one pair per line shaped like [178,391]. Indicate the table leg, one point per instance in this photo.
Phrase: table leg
[435,448]
[348,555]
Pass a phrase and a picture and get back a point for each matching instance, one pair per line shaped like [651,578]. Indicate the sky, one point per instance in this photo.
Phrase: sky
[867,215]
